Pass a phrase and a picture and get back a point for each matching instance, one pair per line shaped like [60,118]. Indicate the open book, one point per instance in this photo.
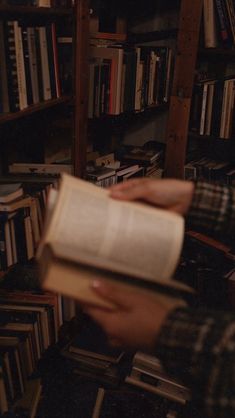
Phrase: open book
[89,236]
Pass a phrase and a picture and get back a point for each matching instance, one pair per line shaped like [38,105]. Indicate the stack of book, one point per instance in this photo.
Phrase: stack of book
[128,79]
[105,170]
[101,176]
[92,356]
[148,374]
[29,71]
[148,157]
[28,326]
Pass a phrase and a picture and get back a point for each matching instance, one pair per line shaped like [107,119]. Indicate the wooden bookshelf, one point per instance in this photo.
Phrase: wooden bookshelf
[37,11]
[8,117]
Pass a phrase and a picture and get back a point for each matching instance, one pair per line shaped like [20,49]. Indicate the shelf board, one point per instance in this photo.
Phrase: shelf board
[109,36]
[37,11]
[8,117]
[210,137]
[216,52]
[158,35]
[128,117]
[213,243]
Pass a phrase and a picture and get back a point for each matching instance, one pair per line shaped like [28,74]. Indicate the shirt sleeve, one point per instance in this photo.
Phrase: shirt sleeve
[199,347]
[212,209]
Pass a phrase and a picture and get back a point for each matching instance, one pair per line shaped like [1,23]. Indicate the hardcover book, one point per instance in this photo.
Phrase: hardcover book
[89,236]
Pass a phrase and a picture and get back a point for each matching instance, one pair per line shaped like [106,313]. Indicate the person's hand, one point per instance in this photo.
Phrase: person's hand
[137,318]
[170,194]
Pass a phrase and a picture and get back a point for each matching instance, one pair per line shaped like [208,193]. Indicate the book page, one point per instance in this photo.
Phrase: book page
[125,237]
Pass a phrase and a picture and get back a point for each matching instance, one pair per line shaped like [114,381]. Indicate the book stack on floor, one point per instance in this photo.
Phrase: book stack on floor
[147,373]
[149,157]
[92,356]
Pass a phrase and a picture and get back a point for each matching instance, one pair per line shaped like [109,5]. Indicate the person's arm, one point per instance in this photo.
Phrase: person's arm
[199,347]
[212,208]
[207,207]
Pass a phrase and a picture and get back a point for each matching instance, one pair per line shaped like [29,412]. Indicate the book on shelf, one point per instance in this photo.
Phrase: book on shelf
[27,405]
[35,168]
[109,249]
[219,23]
[210,30]
[101,175]
[4,93]
[123,78]
[212,111]
[92,342]
[9,192]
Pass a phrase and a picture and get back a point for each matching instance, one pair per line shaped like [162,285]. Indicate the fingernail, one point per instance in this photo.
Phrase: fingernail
[96,284]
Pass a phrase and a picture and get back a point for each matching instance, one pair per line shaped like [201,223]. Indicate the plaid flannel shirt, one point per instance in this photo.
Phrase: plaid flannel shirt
[196,345]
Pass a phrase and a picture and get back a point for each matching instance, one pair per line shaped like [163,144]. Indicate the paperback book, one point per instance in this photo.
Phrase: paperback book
[90,236]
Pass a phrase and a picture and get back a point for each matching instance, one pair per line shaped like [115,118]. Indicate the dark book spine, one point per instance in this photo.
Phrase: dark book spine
[51,61]
[27,65]
[222,21]
[217,108]
[162,73]
[13,89]
[3,254]
[5,107]
[130,60]
[20,236]
[33,64]
[39,65]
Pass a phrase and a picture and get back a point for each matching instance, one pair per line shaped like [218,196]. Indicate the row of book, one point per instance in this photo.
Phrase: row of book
[128,79]
[29,67]
[29,324]
[210,170]
[212,111]
[219,23]
[22,211]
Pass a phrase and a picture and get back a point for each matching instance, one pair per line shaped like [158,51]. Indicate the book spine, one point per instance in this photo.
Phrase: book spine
[209,24]
[56,60]
[33,66]
[11,67]
[222,21]
[20,66]
[3,72]
[203,112]
[27,65]
[44,63]
[51,61]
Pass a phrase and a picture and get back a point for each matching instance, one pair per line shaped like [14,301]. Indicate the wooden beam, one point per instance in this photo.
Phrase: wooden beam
[180,102]
[81,86]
